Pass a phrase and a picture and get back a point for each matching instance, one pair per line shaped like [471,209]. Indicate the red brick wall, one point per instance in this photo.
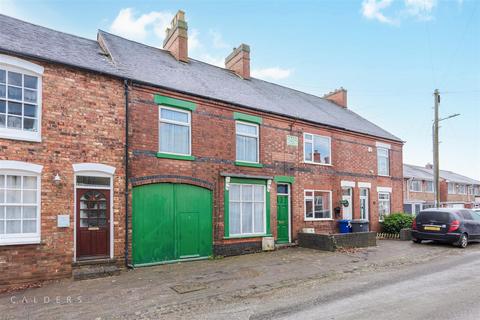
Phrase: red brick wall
[82,121]
[213,145]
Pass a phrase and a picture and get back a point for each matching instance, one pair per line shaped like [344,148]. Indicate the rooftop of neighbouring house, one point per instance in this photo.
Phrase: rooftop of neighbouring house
[423,173]
[138,62]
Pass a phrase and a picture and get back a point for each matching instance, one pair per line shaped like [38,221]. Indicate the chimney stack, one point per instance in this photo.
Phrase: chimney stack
[176,38]
[239,61]
[338,97]
[429,166]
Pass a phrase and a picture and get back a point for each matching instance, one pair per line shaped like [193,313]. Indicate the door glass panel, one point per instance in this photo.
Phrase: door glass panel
[93,209]
[282,189]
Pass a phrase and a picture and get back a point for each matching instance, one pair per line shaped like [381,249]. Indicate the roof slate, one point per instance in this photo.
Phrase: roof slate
[139,62]
[422,173]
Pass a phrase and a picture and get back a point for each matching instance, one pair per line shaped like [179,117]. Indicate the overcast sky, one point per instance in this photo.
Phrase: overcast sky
[390,54]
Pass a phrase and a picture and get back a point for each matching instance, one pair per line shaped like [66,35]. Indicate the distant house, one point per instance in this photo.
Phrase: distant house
[456,191]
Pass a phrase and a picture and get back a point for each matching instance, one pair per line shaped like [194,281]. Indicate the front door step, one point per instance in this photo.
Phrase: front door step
[91,269]
[279,246]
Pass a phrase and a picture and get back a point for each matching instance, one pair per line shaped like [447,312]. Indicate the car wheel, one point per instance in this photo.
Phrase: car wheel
[417,240]
[462,241]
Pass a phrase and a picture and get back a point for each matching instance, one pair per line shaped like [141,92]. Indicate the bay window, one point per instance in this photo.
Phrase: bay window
[318,205]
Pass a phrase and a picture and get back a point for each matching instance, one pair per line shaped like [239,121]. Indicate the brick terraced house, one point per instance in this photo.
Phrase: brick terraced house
[217,160]
[456,191]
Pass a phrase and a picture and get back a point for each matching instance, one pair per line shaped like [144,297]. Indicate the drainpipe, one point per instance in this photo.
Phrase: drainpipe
[126,172]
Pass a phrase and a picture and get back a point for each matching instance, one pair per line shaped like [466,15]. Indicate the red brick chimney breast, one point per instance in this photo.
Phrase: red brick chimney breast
[239,61]
[176,38]
[338,97]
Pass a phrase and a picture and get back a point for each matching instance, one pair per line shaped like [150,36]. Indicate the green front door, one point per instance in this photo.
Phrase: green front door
[171,222]
[282,213]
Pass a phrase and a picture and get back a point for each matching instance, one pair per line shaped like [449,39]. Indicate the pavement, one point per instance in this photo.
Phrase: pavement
[395,280]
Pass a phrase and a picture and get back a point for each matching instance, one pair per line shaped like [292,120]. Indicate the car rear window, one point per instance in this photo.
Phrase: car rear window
[433,216]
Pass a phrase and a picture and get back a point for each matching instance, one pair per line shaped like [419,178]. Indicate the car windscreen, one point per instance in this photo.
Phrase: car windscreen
[427,216]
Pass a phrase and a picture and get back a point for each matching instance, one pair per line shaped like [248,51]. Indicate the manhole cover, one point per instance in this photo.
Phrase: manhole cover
[186,288]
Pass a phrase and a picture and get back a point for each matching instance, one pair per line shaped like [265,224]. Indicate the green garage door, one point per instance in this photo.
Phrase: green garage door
[171,222]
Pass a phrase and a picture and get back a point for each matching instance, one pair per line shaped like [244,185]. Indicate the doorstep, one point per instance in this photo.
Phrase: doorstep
[95,268]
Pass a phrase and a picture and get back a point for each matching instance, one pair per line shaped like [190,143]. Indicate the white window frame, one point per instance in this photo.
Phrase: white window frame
[24,67]
[464,191]
[388,161]
[241,234]
[426,186]
[412,184]
[383,200]
[160,120]
[312,142]
[454,188]
[30,170]
[305,197]
[257,137]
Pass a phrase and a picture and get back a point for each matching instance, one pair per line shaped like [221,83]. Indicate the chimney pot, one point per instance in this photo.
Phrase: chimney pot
[339,97]
[176,37]
[239,61]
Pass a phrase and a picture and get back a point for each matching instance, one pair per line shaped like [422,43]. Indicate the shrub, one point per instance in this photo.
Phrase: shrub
[396,221]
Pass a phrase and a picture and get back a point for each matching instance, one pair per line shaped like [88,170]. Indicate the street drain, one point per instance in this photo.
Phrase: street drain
[186,288]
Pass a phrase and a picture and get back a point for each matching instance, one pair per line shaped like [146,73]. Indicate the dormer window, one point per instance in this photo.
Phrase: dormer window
[20,99]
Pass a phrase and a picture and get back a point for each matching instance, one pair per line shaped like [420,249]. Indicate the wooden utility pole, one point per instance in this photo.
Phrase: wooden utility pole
[436,165]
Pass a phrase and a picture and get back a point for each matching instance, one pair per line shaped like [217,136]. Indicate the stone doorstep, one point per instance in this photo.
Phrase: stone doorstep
[96,268]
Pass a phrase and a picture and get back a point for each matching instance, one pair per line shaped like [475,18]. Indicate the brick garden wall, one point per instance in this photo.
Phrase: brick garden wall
[82,121]
[213,144]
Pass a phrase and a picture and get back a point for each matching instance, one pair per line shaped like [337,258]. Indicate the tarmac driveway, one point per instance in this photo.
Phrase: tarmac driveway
[193,289]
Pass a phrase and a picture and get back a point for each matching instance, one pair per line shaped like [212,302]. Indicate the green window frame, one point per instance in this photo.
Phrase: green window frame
[246,181]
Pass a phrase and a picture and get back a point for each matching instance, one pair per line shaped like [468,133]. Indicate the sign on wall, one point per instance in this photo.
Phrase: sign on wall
[292,141]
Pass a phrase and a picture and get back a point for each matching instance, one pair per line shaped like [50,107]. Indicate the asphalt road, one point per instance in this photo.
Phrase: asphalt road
[449,289]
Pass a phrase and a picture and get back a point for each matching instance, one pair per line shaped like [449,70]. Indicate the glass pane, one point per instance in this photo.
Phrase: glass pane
[93,181]
[308,137]
[258,218]
[93,223]
[29,196]
[321,149]
[2,212]
[246,129]
[308,151]
[3,91]
[30,81]
[102,213]
[14,226]
[14,93]
[3,106]
[30,110]
[14,212]
[174,115]
[2,181]
[258,192]
[29,226]
[29,212]
[247,217]
[30,182]
[234,192]
[14,122]
[30,95]
[14,182]
[13,196]
[3,76]
[15,108]
[102,222]
[2,226]
[182,139]
[3,120]
[240,146]
[322,205]
[174,138]
[15,78]
[308,208]
[247,193]
[83,223]
[83,213]
[2,195]
[282,188]
[363,192]
[251,149]
[234,218]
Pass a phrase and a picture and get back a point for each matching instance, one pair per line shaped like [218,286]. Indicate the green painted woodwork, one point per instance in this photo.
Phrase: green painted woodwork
[284,179]
[247,117]
[282,219]
[176,103]
[248,164]
[226,207]
[171,222]
[174,156]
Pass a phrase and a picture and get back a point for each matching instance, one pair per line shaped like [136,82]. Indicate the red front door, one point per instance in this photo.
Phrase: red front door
[93,223]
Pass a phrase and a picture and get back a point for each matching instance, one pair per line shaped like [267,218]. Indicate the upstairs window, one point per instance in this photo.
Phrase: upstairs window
[416,185]
[247,142]
[317,149]
[462,189]
[383,161]
[175,131]
[451,188]
[429,186]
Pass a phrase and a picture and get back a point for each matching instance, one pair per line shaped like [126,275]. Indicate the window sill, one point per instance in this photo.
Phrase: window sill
[20,135]
[19,241]
[383,175]
[175,156]
[248,164]
[261,235]
[322,219]
[319,164]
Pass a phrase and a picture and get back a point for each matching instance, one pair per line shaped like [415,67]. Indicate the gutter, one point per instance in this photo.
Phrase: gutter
[126,172]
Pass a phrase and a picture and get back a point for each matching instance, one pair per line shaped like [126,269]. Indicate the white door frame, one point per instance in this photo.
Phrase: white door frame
[350,201]
[367,203]
[92,170]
